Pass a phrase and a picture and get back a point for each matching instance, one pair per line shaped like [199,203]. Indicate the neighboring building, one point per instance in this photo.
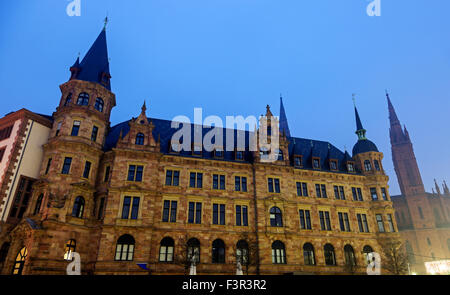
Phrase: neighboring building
[423,218]
[121,195]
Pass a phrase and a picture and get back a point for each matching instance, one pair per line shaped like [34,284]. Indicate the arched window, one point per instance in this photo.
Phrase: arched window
[280,155]
[20,261]
[68,99]
[242,252]
[78,207]
[330,257]
[437,216]
[193,250]
[4,251]
[218,251]
[83,99]
[37,208]
[125,248]
[366,250]
[308,254]
[367,165]
[278,253]
[410,253]
[166,250]
[140,139]
[69,249]
[377,165]
[276,218]
[99,104]
[349,254]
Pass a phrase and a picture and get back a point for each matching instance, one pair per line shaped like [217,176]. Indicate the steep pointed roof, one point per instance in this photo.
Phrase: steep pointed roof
[96,63]
[363,145]
[283,120]
[359,125]
[392,115]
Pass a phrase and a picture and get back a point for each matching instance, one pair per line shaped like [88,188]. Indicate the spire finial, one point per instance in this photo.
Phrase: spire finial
[144,107]
[354,99]
[106,21]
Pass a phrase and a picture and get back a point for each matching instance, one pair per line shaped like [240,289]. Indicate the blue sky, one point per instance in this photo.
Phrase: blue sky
[232,57]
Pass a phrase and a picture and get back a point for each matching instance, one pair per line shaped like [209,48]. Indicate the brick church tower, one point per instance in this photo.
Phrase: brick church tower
[423,218]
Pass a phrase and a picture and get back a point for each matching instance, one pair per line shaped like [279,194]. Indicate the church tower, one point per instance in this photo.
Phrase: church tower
[405,162]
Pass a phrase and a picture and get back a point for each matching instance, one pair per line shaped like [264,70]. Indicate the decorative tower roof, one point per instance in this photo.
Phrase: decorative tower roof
[438,190]
[95,65]
[363,145]
[284,127]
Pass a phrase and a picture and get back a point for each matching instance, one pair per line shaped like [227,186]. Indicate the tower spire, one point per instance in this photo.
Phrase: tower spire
[392,115]
[360,131]
[284,127]
[438,190]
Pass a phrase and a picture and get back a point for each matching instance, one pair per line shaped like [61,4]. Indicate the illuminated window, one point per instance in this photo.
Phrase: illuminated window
[125,248]
[308,254]
[380,223]
[330,257]
[69,249]
[366,250]
[218,251]
[78,207]
[193,250]
[350,167]
[20,261]
[390,223]
[83,99]
[276,217]
[166,250]
[349,255]
[278,253]
[242,253]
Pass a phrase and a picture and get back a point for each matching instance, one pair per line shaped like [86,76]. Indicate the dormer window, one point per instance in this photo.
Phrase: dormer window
[83,99]
[239,155]
[367,165]
[99,103]
[350,167]
[316,163]
[280,155]
[140,139]
[377,165]
[298,161]
[334,165]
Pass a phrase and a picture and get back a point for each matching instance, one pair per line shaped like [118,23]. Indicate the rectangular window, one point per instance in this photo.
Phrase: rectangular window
[302,189]
[380,223]
[344,222]
[22,197]
[87,169]
[172,177]
[305,219]
[321,191]
[240,184]
[325,223]
[195,212]
[107,170]
[384,193]
[362,223]
[273,185]
[316,163]
[196,179]
[219,214]
[5,132]
[298,161]
[357,194]
[130,208]
[49,163]
[339,192]
[94,133]
[240,155]
[390,223]
[66,165]
[135,173]
[218,181]
[75,128]
[241,215]
[169,211]
[374,194]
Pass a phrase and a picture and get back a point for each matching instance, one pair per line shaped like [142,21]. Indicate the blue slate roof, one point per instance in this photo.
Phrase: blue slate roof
[283,120]
[364,146]
[95,62]
[359,125]
[297,146]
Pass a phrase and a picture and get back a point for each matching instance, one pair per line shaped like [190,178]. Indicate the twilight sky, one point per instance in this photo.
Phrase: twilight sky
[232,57]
